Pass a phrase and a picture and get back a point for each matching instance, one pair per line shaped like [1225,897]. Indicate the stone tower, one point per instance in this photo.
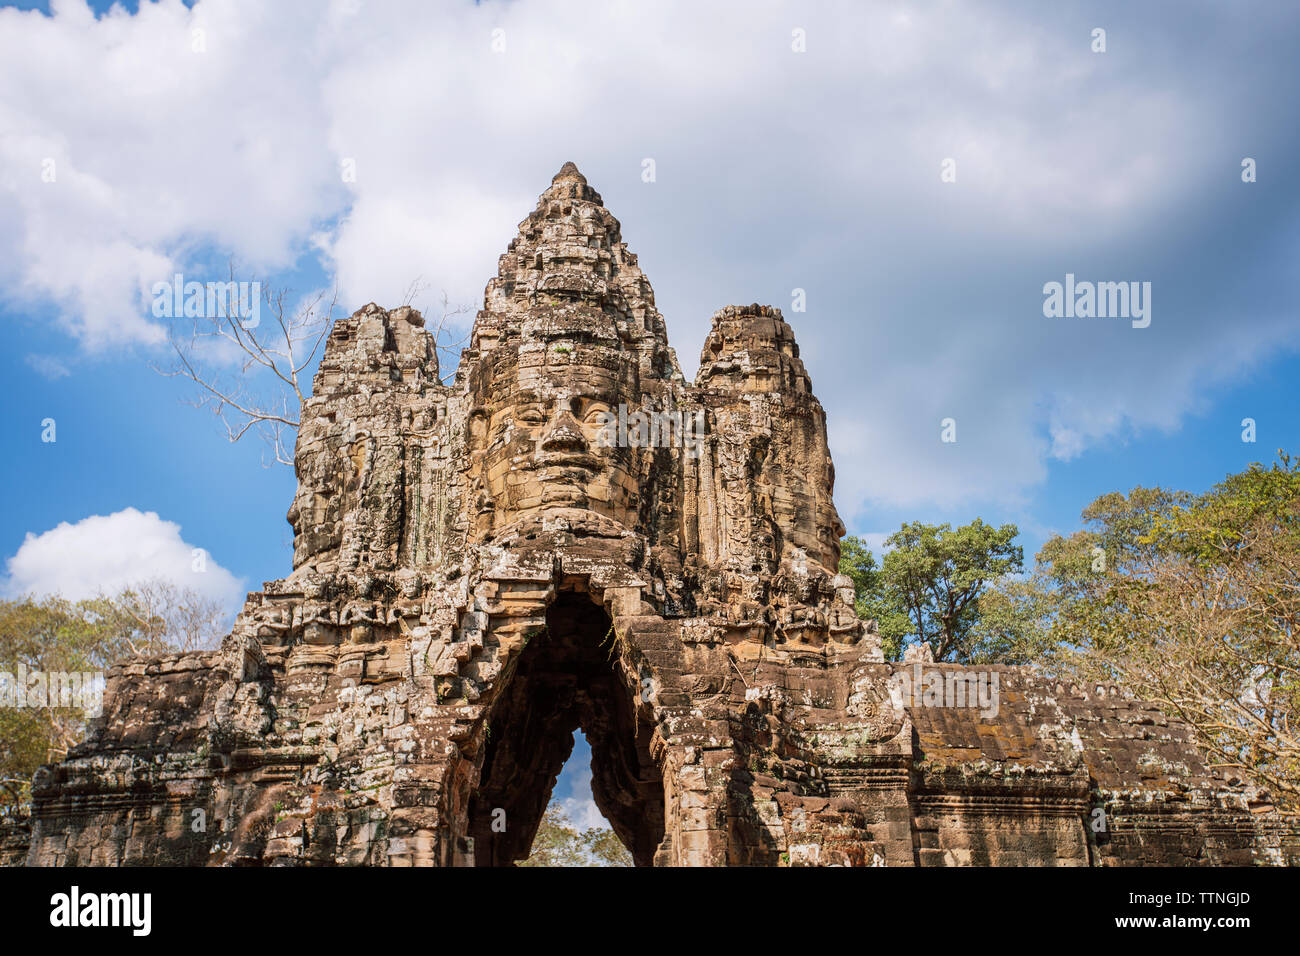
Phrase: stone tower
[572,537]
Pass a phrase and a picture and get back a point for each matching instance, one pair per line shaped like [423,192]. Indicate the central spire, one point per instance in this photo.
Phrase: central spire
[569,174]
[569,269]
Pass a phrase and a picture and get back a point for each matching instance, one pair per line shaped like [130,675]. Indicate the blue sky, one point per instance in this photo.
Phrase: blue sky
[775,170]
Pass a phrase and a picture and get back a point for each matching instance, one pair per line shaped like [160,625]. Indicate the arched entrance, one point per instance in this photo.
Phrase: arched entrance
[571,676]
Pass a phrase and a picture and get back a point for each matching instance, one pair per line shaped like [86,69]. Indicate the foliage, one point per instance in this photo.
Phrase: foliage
[1014,626]
[930,583]
[937,574]
[559,842]
[54,635]
[871,603]
[1193,602]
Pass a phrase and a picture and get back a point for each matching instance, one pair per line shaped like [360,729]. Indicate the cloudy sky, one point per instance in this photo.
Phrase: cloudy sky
[378,144]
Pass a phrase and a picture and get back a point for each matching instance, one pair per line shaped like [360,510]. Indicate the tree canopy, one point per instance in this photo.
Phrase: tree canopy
[1191,601]
[559,842]
[54,635]
[929,585]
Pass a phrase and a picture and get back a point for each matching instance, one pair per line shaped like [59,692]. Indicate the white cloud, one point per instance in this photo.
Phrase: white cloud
[124,150]
[105,553]
[582,810]
[775,170]
[584,814]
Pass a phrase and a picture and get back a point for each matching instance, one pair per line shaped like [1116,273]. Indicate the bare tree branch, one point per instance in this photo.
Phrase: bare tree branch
[266,392]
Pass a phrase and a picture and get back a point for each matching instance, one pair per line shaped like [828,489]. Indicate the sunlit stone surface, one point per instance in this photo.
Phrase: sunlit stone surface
[482,567]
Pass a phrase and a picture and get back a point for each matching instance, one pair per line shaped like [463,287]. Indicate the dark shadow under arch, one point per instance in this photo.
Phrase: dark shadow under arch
[570,677]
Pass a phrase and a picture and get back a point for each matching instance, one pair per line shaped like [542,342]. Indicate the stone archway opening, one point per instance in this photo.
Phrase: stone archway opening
[570,677]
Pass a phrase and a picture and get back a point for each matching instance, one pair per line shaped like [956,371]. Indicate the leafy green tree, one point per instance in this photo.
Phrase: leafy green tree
[49,635]
[1189,600]
[871,601]
[1193,602]
[1016,624]
[560,843]
[936,576]
[54,635]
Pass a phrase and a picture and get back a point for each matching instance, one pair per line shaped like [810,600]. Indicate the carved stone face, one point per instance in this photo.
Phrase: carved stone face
[317,507]
[542,434]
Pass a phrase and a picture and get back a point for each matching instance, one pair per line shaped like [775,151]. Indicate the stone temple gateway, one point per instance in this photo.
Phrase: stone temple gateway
[479,571]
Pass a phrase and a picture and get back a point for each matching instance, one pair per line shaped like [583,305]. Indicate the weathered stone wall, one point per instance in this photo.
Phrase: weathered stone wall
[15,841]
[483,568]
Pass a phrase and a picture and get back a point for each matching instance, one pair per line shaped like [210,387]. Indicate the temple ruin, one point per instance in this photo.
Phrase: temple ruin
[572,537]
